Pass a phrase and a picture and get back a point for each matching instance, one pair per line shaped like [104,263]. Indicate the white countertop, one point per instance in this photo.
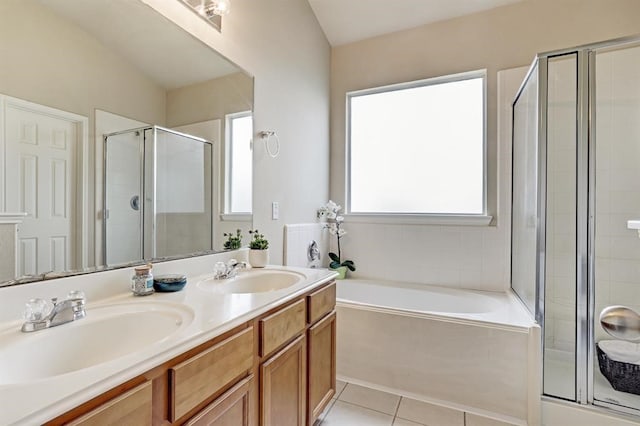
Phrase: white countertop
[214,313]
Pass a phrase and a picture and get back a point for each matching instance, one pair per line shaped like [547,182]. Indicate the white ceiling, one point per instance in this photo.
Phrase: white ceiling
[164,52]
[346,21]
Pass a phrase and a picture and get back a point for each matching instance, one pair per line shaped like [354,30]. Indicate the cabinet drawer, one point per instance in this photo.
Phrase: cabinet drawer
[321,302]
[281,327]
[132,407]
[197,378]
[232,408]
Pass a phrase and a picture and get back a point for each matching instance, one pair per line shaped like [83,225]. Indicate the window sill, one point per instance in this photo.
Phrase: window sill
[236,217]
[420,219]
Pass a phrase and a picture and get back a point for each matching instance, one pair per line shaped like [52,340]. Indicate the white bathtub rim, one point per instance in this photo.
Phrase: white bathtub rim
[450,318]
[519,319]
[446,404]
[440,299]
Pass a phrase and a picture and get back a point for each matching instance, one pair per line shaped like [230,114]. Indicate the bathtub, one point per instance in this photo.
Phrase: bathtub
[478,352]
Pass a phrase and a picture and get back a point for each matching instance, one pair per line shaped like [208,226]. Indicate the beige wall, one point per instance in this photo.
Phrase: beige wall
[64,67]
[497,39]
[280,43]
[210,100]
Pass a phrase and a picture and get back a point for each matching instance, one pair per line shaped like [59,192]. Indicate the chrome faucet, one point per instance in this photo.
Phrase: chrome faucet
[228,270]
[40,314]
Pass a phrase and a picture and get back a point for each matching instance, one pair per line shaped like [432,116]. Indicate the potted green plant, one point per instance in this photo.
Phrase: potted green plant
[259,250]
[331,211]
[234,241]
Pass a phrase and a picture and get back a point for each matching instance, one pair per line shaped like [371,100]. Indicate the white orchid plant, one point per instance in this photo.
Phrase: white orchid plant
[331,212]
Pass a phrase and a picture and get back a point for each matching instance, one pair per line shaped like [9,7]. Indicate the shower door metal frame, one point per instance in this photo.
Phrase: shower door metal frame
[585,213]
[584,223]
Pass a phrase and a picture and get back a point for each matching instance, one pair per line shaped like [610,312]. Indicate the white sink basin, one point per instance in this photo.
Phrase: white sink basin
[253,282]
[107,333]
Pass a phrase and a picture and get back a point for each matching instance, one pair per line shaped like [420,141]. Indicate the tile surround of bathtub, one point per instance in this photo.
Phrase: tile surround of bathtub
[449,372]
[465,257]
[297,238]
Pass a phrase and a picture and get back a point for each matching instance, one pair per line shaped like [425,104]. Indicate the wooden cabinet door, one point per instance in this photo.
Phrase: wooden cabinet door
[230,409]
[283,386]
[322,365]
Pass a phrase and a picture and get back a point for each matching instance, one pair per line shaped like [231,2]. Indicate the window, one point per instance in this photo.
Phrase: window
[418,148]
[239,130]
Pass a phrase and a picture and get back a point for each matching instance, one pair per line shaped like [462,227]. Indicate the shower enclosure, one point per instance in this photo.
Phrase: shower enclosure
[576,184]
[157,195]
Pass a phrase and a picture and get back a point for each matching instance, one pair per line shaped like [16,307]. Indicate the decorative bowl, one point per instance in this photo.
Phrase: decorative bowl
[169,283]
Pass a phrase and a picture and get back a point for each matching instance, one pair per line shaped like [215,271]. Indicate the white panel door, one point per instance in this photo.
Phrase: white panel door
[40,180]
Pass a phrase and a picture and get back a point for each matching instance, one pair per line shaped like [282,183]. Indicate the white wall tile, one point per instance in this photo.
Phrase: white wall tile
[297,238]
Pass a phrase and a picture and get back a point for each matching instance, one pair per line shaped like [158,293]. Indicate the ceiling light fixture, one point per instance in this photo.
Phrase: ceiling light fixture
[210,10]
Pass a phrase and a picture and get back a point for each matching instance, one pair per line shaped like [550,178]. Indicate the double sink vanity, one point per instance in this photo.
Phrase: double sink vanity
[255,349]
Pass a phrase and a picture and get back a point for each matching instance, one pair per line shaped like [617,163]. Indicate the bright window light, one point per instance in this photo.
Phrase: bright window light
[239,162]
[418,148]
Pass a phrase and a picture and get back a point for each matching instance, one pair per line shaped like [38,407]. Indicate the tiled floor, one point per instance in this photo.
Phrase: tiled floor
[355,405]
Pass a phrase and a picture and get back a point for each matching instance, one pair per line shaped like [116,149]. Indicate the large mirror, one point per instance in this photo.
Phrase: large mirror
[122,138]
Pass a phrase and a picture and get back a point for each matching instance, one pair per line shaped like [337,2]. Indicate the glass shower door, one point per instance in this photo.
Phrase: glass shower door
[561,223]
[525,198]
[183,217]
[616,268]
[123,194]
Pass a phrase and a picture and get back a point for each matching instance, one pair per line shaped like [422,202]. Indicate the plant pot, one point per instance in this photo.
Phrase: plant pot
[342,272]
[258,258]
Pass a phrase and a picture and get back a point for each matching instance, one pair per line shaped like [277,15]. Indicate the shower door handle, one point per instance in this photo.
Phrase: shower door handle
[135,202]
[621,322]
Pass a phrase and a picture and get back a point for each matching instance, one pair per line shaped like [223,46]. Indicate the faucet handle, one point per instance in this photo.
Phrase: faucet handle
[37,310]
[76,295]
[220,269]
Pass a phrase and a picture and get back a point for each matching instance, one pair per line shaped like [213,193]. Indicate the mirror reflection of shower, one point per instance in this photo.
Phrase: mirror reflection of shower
[157,195]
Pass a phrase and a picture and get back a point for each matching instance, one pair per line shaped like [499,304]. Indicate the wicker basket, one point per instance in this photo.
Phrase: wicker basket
[623,376]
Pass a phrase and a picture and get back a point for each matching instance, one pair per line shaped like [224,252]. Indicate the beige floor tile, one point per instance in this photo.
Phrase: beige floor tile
[402,422]
[475,420]
[369,398]
[429,414]
[345,414]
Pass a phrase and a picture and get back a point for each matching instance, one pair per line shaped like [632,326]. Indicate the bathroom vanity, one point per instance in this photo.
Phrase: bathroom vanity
[241,358]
